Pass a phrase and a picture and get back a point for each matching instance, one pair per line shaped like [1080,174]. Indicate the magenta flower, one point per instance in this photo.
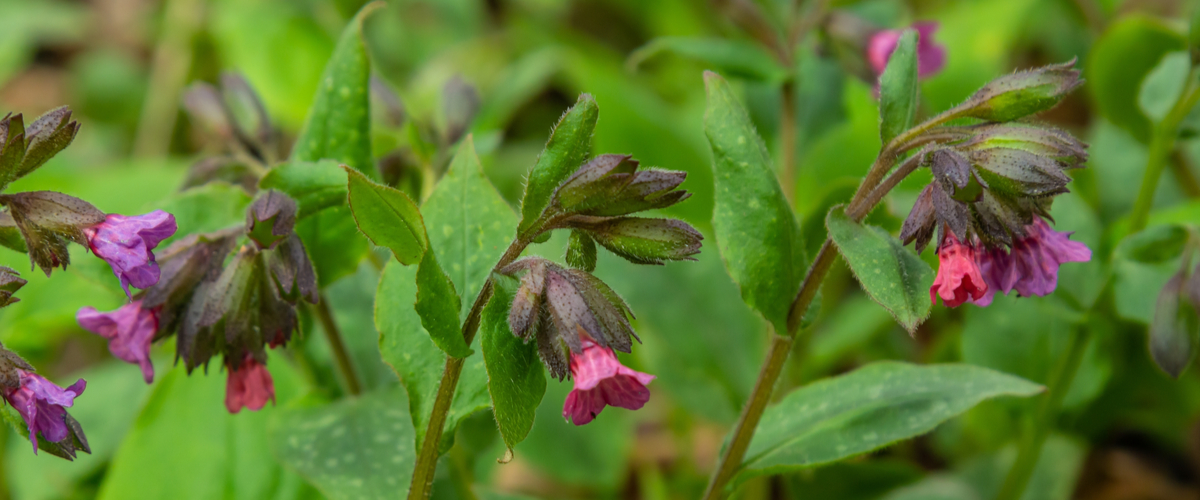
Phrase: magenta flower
[601,379]
[958,277]
[129,331]
[126,244]
[1035,259]
[931,56]
[249,385]
[43,405]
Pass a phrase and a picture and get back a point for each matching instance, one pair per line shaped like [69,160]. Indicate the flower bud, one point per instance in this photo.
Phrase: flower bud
[249,117]
[392,112]
[206,108]
[270,218]
[1040,140]
[183,266]
[642,240]
[460,103]
[10,282]
[48,220]
[220,168]
[44,138]
[1174,327]
[11,366]
[1022,94]
[292,271]
[229,306]
[610,185]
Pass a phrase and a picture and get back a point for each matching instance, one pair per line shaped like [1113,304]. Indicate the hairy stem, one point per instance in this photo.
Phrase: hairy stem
[787,140]
[340,356]
[422,480]
[1162,143]
[1047,409]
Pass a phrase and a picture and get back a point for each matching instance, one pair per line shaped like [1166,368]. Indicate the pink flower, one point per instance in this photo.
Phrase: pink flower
[249,385]
[1035,258]
[958,277]
[129,331]
[126,244]
[43,405]
[600,379]
[931,56]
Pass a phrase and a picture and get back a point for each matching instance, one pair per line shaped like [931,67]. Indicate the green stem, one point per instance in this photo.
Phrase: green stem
[1047,410]
[787,140]
[340,356]
[1162,143]
[422,480]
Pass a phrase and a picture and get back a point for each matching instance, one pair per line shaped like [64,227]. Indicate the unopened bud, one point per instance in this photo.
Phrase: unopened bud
[270,218]
[44,138]
[10,282]
[292,271]
[611,185]
[1174,327]
[206,108]
[460,103]
[1023,93]
[48,220]
[642,240]
[247,112]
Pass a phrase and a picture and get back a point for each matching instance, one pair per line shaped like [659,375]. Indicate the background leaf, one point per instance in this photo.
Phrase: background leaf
[351,449]
[756,230]
[891,274]
[1163,85]
[735,58]
[898,88]
[314,185]
[1120,60]
[867,409]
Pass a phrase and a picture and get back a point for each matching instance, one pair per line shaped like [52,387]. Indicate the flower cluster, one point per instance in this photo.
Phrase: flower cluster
[576,320]
[237,309]
[992,189]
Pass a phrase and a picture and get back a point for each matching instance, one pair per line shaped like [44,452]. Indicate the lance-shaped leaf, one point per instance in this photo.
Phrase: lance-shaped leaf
[438,306]
[315,186]
[387,217]
[1164,84]
[516,380]
[44,138]
[48,220]
[757,233]
[898,88]
[569,145]
[891,274]
[867,409]
[1022,93]
[338,126]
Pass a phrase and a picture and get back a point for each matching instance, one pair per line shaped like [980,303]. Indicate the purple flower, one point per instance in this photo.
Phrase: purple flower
[126,244]
[129,331]
[43,405]
[1035,258]
[249,385]
[601,379]
[959,277]
[931,56]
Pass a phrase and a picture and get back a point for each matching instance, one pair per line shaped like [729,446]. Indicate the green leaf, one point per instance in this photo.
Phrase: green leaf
[595,455]
[756,230]
[408,348]
[581,251]
[1164,84]
[569,145]
[314,185]
[469,223]
[470,227]
[338,126]
[867,409]
[387,217]
[516,378]
[207,208]
[736,58]
[185,445]
[354,448]
[438,306]
[898,88]
[1118,62]
[891,274]
[1153,245]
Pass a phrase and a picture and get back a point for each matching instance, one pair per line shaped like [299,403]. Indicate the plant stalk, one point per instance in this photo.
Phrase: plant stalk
[340,356]
[422,480]
[172,60]
[1162,143]
[1047,410]
[787,140]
